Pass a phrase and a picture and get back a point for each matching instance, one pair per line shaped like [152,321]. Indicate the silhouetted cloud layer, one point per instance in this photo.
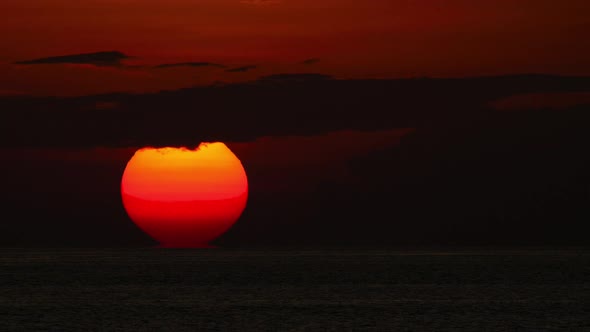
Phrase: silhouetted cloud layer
[109,58]
[555,101]
[241,69]
[310,61]
[276,105]
[190,64]
[296,77]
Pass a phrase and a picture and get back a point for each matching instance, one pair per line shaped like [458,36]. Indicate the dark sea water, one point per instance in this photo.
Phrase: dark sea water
[294,290]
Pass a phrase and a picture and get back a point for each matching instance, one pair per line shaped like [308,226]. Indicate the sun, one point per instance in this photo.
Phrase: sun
[182,197]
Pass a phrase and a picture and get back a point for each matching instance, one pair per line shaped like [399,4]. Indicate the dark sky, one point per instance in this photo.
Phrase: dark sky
[397,123]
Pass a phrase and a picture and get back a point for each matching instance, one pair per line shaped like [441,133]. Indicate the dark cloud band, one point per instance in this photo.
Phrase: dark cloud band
[241,69]
[190,64]
[109,58]
[282,104]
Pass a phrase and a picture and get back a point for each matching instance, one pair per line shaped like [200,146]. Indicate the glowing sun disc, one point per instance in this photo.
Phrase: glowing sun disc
[182,197]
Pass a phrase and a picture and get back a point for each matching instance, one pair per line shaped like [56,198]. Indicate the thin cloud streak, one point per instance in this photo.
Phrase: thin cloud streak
[310,61]
[107,58]
[241,69]
[190,64]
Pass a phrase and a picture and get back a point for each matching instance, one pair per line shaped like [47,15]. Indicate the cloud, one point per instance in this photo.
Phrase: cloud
[310,61]
[531,101]
[241,69]
[108,58]
[301,162]
[242,112]
[190,64]
[106,105]
[295,77]
[260,2]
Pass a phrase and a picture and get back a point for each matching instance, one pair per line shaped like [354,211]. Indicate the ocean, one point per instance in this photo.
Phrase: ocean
[156,289]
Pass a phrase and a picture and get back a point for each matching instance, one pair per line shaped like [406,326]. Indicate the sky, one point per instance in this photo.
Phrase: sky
[320,102]
[347,39]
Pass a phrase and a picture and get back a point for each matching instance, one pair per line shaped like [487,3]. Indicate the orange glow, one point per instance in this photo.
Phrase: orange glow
[182,197]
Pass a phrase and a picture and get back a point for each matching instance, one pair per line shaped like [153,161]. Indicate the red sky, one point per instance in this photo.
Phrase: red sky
[377,38]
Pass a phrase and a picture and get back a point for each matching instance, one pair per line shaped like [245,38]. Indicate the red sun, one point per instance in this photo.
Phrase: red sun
[182,197]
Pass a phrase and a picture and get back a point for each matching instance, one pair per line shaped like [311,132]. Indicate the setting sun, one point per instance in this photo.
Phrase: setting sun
[182,197]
